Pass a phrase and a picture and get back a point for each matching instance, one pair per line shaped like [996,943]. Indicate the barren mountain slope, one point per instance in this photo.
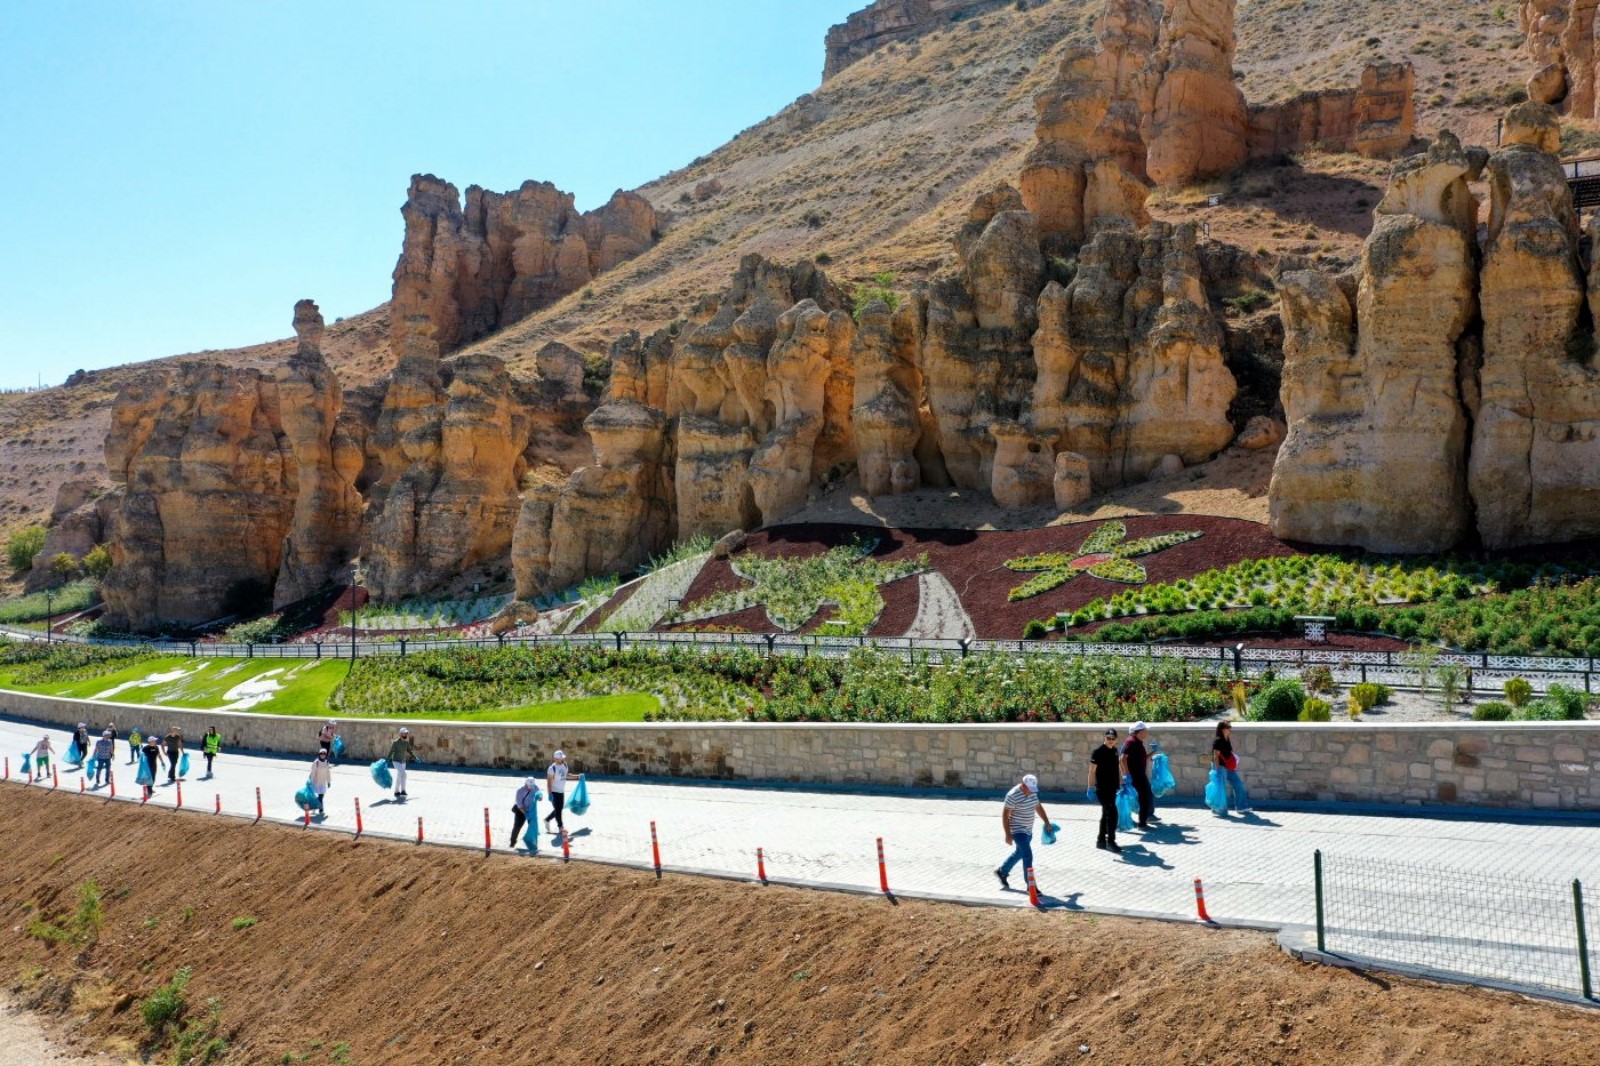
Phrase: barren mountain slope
[874,171]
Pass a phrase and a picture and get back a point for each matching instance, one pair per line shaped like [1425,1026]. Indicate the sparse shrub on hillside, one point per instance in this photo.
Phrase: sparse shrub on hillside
[1063,269]
[97,564]
[23,546]
[163,1011]
[822,259]
[596,373]
[879,289]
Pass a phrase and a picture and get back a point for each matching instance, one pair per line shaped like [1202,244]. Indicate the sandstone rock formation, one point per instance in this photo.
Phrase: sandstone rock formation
[1535,465]
[1197,125]
[326,526]
[1376,119]
[1559,35]
[885,22]
[78,522]
[208,479]
[464,273]
[1376,451]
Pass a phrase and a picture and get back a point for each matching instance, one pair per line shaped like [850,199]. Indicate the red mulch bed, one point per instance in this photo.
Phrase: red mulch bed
[605,610]
[900,602]
[974,562]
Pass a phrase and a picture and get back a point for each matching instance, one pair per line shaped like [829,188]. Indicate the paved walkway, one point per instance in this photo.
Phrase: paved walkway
[1256,870]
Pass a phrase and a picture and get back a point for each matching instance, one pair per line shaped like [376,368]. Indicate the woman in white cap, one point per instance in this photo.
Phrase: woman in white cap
[1022,803]
[320,778]
[325,737]
[401,752]
[555,780]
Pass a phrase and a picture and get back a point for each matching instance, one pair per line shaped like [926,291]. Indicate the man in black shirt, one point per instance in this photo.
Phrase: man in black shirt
[1104,776]
[1136,764]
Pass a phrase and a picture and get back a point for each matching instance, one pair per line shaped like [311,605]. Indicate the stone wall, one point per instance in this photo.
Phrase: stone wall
[1528,765]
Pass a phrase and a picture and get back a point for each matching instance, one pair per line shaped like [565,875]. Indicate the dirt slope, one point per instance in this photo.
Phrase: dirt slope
[440,956]
[875,170]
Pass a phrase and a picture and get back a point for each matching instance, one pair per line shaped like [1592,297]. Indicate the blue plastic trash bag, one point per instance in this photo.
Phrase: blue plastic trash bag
[1161,780]
[183,765]
[338,747]
[75,754]
[92,767]
[530,835]
[26,766]
[146,774]
[306,797]
[381,774]
[1049,834]
[1217,792]
[579,802]
[1127,803]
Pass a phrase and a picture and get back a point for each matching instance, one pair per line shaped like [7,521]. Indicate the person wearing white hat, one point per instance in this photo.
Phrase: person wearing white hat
[1016,817]
[102,757]
[80,737]
[555,781]
[401,752]
[1136,760]
[325,737]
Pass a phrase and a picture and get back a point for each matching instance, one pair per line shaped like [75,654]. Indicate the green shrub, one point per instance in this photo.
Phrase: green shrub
[1541,711]
[1318,679]
[65,599]
[1315,710]
[23,546]
[1035,630]
[880,289]
[1518,691]
[1278,701]
[1492,711]
[1367,695]
[97,564]
[164,1009]
[1573,704]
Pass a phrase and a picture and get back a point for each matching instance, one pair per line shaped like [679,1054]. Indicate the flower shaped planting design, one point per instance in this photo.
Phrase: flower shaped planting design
[1106,553]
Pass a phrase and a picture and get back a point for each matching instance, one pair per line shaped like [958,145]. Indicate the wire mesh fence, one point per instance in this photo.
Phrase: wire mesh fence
[1488,927]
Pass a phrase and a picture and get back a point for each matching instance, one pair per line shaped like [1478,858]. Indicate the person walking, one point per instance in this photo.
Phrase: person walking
[526,795]
[111,727]
[1136,769]
[80,737]
[210,744]
[1222,757]
[102,757]
[1016,818]
[555,783]
[150,752]
[320,778]
[135,742]
[174,752]
[325,737]
[41,757]
[401,753]
[1105,773]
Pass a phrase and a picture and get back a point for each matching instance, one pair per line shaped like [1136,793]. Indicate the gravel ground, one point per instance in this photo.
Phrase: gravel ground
[24,1042]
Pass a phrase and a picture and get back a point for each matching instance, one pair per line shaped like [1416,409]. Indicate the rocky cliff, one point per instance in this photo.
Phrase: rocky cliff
[1559,35]
[1446,387]
[886,22]
[464,273]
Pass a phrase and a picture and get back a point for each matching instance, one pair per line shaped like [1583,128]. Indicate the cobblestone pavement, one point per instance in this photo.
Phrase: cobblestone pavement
[1256,869]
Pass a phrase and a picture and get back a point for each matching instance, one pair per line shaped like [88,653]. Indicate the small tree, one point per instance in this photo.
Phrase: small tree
[64,566]
[23,546]
[97,564]
[1452,679]
[1518,691]
[1422,659]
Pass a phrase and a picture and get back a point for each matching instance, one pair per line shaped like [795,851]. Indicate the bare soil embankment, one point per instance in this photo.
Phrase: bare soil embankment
[442,956]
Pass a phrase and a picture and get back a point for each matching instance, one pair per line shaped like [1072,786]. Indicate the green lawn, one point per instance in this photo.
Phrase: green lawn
[303,688]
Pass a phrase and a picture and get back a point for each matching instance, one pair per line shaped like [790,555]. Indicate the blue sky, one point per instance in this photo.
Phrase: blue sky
[180,172]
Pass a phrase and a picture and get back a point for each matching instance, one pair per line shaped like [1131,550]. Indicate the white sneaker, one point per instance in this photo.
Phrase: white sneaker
[1247,810]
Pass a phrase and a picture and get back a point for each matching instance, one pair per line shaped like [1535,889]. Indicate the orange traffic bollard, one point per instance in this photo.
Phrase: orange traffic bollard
[1033,888]
[258,803]
[219,804]
[111,783]
[358,816]
[179,805]
[306,812]
[419,830]
[1200,901]
[55,778]
[566,847]
[80,783]
[488,845]
[655,850]
[883,870]
[8,768]
[761,866]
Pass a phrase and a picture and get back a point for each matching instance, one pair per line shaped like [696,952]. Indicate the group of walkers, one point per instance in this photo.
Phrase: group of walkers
[1112,767]
[145,752]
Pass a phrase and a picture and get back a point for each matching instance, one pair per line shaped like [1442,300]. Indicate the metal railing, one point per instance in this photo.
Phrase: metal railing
[1401,670]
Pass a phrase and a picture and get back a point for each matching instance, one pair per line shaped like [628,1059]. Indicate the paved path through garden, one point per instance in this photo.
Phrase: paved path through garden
[1256,869]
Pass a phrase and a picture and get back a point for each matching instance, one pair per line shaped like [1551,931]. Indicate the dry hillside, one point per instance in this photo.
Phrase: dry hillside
[874,170]
[441,956]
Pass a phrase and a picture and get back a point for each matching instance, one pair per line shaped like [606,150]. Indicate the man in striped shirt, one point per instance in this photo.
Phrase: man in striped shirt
[1022,802]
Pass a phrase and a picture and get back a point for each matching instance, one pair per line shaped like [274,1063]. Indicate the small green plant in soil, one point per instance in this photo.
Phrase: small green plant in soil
[244,923]
[163,1011]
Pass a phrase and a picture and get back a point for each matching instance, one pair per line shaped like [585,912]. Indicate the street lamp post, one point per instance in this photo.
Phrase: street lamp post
[355,579]
[49,613]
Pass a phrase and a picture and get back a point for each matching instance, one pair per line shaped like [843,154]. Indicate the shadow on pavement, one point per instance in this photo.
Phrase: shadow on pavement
[1170,833]
[1139,855]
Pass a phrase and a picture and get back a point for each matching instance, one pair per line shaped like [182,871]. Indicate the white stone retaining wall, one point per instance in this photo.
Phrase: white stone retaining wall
[1530,765]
